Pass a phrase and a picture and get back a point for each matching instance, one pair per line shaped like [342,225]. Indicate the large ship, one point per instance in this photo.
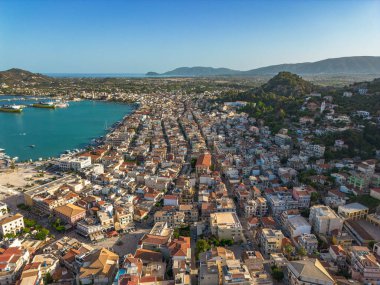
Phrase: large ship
[11,108]
[49,105]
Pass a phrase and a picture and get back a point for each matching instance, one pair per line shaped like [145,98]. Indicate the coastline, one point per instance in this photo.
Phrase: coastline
[94,142]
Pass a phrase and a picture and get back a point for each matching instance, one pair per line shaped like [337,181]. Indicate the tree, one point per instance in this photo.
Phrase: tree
[288,249]
[26,230]
[277,273]
[371,244]
[314,197]
[42,234]
[58,225]
[228,242]
[10,235]
[48,278]
[202,246]
[302,251]
[29,223]
[305,212]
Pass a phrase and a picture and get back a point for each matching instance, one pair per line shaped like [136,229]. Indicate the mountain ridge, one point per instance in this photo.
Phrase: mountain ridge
[331,66]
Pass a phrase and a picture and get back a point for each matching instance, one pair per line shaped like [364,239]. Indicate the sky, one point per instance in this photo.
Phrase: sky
[110,36]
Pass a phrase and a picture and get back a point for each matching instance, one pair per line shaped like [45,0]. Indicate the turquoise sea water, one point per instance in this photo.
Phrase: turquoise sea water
[53,131]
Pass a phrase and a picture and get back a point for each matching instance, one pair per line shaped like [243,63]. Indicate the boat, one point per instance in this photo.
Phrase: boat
[61,104]
[11,108]
[32,146]
[48,105]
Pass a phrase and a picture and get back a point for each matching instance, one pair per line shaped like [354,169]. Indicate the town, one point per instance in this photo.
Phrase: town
[196,187]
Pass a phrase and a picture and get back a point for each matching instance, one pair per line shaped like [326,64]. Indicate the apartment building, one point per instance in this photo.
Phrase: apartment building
[236,273]
[297,225]
[11,261]
[308,242]
[172,218]
[210,265]
[11,224]
[280,202]
[281,139]
[353,211]
[271,240]
[302,195]
[226,225]
[191,212]
[364,265]
[324,220]
[262,206]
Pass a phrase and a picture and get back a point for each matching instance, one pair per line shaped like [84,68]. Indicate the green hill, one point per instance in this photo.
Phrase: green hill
[19,76]
[287,84]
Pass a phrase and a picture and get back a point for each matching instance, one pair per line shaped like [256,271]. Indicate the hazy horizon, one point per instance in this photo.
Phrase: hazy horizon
[136,37]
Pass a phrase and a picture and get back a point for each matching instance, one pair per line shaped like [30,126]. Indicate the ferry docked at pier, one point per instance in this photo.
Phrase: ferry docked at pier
[11,108]
[48,105]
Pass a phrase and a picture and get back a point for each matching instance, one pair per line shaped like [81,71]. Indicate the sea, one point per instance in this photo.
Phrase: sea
[42,133]
[96,75]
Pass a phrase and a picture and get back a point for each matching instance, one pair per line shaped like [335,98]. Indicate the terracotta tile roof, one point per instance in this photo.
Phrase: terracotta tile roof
[153,239]
[148,255]
[180,246]
[101,262]
[70,210]
[204,160]
[10,219]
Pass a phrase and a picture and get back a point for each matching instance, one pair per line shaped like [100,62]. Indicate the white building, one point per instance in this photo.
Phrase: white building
[324,219]
[226,225]
[297,226]
[347,94]
[281,139]
[12,224]
[74,163]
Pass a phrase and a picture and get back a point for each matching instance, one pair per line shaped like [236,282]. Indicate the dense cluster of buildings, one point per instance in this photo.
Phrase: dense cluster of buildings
[223,199]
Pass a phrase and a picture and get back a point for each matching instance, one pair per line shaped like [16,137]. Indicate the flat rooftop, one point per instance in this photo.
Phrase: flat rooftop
[353,207]
[225,218]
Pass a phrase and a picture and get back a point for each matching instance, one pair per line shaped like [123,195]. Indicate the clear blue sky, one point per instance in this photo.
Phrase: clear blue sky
[138,36]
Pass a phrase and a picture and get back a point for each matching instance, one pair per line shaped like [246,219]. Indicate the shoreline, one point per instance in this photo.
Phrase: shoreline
[98,140]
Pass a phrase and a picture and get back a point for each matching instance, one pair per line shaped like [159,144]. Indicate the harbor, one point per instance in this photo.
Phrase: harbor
[41,133]
[44,104]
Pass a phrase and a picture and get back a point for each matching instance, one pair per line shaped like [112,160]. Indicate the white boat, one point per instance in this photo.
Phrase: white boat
[62,104]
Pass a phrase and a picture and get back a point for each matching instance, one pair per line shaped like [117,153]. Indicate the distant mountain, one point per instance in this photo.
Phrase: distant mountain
[332,66]
[16,76]
[199,71]
[288,84]
[152,73]
[342,65]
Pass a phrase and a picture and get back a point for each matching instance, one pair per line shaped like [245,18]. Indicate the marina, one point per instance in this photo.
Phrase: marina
[38,133]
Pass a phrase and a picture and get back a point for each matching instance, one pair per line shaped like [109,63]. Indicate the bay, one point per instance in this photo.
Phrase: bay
[52,131]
